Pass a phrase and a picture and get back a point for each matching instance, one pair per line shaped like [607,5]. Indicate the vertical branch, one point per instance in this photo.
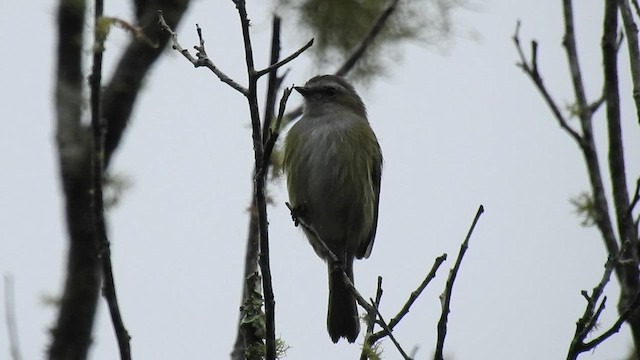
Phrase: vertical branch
[259,180]
[631,29]
[71,334]
[99,127]
[273,81]
[602,218]
[253,236]
[10,316]
[626,229]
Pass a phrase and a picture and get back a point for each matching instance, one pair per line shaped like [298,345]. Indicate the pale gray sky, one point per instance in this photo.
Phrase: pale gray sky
[458,128]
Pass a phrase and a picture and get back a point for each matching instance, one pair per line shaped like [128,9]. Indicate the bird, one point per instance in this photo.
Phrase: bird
[333,166]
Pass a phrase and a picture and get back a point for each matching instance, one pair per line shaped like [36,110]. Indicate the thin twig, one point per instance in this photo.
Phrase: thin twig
[616,326]
[588,321]
[274,133]
[366,41]
[99,126]
[633,44]
[371,322]
[201,59]
[414,296]
[390,332]
[284,61]
[636,197]
[531,69]
[446,296]
[273,80]
[10,313]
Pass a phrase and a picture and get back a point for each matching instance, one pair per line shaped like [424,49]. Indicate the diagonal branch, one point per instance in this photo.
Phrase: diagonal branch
[531,69]
[589,319]
[121,93]
[414,296]
[445,298]
[201,59]
[284,61]
[390,333]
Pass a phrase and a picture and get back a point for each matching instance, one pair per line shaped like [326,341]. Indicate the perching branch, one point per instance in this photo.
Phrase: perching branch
[253,242]
[298,219]
[445,298]
[259,147]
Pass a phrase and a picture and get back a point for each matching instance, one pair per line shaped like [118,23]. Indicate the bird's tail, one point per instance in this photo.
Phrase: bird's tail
[342,317]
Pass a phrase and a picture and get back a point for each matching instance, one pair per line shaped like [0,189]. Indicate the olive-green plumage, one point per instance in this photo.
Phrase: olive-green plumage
[333,164]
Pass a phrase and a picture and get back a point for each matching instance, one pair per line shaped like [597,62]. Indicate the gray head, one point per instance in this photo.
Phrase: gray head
[330,92]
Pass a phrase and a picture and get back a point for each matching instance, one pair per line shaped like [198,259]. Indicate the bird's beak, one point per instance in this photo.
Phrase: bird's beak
[304,91]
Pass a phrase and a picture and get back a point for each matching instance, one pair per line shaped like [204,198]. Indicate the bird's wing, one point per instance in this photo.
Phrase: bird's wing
[365,248]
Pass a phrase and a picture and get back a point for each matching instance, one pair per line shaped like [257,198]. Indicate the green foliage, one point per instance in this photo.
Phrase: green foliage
[252,319]
[372,352]
[584,207]
[103,25]
[339,25]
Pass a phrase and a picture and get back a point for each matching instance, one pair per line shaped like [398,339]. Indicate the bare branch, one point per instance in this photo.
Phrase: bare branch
[414,296]
[390,332]
[10,316]
[531,70]
[371,321]
[299,220]
[259,181]
[71,333]
[636,198]
[587,323]
[201,59]
[631,30]
[285,60]
[624,316]
[445,298]
[569,43]
[273,80]
[275,132]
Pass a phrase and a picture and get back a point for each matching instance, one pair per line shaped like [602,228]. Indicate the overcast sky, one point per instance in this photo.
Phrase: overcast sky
[459,126]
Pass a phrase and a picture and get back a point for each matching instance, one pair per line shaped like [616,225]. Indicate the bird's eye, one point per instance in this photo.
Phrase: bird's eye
[331,91]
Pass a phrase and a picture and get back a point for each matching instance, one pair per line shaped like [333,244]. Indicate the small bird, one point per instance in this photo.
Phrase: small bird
[333,166]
